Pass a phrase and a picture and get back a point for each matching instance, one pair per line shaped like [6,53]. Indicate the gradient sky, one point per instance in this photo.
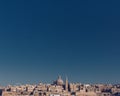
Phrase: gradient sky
[41,39]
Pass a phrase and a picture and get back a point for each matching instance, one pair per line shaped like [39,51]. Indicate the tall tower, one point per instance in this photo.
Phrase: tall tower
[66,84]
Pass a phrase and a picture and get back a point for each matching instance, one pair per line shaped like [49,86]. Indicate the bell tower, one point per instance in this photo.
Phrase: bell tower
[66,84]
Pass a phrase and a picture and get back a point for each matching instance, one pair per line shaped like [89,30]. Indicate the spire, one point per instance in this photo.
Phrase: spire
[66,78]
[66,84]
[59,77]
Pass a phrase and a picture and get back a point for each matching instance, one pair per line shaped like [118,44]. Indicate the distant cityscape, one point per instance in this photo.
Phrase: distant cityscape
[61,88]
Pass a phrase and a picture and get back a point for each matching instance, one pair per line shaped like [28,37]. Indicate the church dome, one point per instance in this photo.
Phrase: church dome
[59,81]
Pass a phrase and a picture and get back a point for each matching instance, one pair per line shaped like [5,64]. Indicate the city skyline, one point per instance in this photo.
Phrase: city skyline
[53,82]
[59,87]
[42,39]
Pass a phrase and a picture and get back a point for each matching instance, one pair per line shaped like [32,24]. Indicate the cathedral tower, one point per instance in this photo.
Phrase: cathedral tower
[66,84]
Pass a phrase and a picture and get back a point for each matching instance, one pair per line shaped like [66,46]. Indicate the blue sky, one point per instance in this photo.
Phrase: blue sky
[42,39]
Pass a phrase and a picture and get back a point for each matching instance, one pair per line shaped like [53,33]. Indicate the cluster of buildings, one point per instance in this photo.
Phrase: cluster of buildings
[61,88]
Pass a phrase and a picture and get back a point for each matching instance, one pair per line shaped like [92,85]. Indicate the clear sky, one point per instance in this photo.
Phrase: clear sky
[41,39]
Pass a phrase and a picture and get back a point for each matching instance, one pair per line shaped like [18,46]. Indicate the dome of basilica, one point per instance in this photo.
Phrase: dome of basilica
[59,81]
